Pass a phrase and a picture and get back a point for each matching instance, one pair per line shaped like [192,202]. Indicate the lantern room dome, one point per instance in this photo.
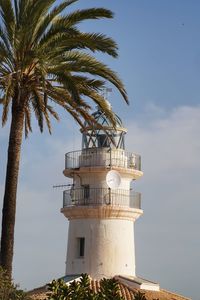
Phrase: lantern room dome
[103,134]
[102,119]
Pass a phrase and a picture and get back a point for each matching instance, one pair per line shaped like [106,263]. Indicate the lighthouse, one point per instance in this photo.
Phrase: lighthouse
[101,204]
[102,207]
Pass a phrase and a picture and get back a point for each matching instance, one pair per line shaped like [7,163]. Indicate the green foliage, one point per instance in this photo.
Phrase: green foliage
[109,290]
[45,59]
[81,290]
[58,290]
[139,296]
[8,291]
[6,286]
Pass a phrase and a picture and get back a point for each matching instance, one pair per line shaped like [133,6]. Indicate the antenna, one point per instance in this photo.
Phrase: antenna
[62,185]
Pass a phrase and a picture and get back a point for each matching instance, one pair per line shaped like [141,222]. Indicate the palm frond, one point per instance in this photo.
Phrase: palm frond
[48,19]
[75,115]
[16,10]
[53,112]
[91,41]
[46,115]
[5,111]
[4,38]
[54,36]
[6,59]
[85,63]
[8,17]
[85,14]
[83,81]
[33,11]
[38,108]
[66,23]
[101,102]
[28,127]
[23,11]
[8,94]
[61,96]
[95,42]
[66,80]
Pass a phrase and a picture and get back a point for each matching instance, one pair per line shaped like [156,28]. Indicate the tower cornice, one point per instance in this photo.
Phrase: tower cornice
[128,172]
[102,212]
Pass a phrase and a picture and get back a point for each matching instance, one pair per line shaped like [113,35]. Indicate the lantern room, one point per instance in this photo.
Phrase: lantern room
[102,134]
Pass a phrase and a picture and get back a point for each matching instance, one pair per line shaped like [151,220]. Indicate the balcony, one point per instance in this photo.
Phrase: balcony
[102,157]
[100,197]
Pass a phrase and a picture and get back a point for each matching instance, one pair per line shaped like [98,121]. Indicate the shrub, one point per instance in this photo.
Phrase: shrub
[9,291]
[139,296]
[80,290]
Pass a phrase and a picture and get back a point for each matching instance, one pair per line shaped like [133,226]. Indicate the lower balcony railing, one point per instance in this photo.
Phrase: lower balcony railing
[101,196]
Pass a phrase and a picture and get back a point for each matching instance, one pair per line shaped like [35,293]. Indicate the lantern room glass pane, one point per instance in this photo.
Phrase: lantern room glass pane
[109,137]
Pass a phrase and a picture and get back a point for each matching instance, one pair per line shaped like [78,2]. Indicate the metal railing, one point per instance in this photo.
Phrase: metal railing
[102,157]
[101,196]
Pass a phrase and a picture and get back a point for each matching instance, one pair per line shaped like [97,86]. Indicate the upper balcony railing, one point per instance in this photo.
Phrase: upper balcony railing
[101,196]
[102,157]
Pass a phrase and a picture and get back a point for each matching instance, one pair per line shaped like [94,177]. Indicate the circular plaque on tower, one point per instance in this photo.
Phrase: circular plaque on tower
[113,179]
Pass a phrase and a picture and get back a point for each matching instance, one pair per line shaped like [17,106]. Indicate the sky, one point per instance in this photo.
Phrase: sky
[159,62]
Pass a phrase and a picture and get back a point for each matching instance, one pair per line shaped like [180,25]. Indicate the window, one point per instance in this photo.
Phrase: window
[80,247]
[103,140]
[86,191]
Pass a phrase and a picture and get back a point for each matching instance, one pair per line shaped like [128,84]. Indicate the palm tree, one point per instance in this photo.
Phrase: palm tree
[45,59]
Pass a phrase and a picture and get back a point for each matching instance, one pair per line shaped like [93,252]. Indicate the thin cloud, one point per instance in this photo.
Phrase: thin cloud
[170,148]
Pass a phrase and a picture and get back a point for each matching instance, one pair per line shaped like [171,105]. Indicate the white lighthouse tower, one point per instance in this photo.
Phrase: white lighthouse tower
[101,206]
[102,209]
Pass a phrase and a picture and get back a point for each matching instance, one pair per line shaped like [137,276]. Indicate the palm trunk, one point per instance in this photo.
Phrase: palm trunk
[9,204]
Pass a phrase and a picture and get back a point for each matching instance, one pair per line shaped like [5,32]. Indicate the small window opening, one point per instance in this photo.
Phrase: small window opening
[103,140]
[81,247]
[86,191]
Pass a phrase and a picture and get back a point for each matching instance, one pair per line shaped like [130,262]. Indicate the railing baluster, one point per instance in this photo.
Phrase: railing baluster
[102,196]
[102,157]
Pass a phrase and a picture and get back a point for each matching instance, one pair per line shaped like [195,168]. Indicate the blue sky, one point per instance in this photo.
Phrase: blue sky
[159,49]
[159,62]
